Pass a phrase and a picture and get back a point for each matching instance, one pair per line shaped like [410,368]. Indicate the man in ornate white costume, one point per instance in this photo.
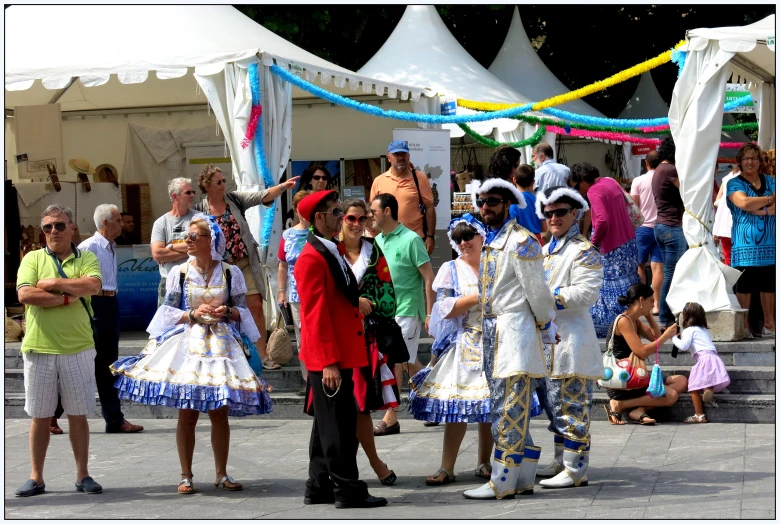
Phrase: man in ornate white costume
[574,272]
[516,306]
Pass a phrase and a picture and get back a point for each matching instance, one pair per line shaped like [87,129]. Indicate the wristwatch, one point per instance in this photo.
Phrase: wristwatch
[191,316]
[431,236]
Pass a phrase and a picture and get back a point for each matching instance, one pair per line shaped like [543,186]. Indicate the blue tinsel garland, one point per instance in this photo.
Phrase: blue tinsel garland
[262,165]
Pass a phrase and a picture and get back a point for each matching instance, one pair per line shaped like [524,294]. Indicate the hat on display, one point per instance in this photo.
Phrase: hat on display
[466,218]
[490,184]
[307,206]
[106,173]
[80,165]
[560,194]
[398,146]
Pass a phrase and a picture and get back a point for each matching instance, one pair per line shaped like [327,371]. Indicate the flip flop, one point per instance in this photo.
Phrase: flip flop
[614,415]
[484,465]
[433,480]
[223,484]
[641,420]
[186,487]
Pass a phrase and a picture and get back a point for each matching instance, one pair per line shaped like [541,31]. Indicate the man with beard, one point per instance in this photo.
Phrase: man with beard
[127,237]
[573,271]
[332,345]
[516,306]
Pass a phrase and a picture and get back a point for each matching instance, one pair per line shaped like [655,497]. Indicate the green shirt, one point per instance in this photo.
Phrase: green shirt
[57,330]
[405,252]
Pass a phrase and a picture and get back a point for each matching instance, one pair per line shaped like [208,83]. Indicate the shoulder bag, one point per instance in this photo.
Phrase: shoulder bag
[421,205]
[92,321]
[634,213]
[389,338]
[626,373]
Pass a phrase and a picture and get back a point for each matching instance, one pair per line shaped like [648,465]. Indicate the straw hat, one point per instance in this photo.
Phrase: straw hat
[80,165]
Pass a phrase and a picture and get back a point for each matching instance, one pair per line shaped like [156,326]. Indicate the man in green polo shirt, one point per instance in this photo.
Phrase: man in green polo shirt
[58,348]
[412,274]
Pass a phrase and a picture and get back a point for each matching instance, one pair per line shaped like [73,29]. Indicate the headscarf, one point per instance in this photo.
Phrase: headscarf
[217,237]
[469,219]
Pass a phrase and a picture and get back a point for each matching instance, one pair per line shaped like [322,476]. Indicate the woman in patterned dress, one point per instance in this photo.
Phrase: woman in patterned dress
[195,361]
[375,385]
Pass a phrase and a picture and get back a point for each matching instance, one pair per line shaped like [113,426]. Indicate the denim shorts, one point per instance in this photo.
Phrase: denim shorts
[647,246]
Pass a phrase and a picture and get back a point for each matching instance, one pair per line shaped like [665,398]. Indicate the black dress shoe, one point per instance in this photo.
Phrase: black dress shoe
[369,502]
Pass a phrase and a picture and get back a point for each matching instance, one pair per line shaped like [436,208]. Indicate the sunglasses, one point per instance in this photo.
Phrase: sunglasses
[218,182]
[59,226]
[337,212]
[466,236]
[490,201]
[319,177]
[192,237]
[562,212]
[359,219]
[188,193]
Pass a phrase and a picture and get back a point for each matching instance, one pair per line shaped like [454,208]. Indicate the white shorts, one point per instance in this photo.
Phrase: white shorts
[411,328]
[72,376]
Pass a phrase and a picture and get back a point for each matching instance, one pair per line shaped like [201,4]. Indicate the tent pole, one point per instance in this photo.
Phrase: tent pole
[61,92]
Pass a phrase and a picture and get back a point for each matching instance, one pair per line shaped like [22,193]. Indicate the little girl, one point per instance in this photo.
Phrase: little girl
[708,373]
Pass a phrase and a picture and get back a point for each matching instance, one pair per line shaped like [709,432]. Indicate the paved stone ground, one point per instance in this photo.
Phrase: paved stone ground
[671,471]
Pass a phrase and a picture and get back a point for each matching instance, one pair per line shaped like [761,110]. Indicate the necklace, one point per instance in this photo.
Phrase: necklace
[205,275]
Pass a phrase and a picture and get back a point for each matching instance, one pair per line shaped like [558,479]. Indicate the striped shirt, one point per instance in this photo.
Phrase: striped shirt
[106,255]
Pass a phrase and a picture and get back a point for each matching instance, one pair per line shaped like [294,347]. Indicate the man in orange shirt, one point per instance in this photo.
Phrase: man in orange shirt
[400,182]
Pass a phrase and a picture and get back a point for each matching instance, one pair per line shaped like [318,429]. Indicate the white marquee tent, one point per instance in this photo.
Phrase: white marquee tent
[695,117]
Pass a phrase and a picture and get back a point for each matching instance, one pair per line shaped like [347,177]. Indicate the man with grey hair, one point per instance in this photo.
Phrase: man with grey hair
[108,221]
[168,231]
[56,284]
[549,173]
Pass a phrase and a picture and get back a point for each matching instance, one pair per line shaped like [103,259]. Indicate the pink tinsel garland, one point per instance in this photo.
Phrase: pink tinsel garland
[620,137]
[254,119]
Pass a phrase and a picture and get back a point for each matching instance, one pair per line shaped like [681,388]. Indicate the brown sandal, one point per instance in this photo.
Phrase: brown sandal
[436,480]
[615,418]
[55,180]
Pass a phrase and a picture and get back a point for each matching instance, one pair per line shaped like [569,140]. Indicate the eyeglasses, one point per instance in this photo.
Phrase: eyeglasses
[337,212]
[359,219]
[562,212]
[59,226]
[188,193]
[218,182]
[490,201]
[192,237]
[466,236]
[751,159]
[319,177]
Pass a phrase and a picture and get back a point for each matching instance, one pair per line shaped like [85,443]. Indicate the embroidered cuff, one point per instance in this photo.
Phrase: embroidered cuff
[560,301]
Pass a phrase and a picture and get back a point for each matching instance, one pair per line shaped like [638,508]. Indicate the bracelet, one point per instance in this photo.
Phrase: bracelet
[282,290]
[191,316]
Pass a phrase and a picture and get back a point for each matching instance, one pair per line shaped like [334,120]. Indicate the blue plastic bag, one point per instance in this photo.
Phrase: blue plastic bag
[255,362]
[656,388]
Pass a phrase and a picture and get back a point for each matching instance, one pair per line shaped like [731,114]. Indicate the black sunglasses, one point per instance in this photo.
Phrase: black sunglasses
[59,226]
[466,236]
[490,201]
[319,177]
[562,212]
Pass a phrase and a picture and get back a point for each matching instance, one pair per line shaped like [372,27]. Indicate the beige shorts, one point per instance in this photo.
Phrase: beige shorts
[411,328]
[246,270]
[70,376]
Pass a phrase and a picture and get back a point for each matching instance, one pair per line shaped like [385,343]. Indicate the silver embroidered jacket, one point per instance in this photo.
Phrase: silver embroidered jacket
[514,293]
[574,273]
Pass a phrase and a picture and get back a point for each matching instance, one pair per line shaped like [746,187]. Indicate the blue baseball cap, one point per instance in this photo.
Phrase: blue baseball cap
[398,146]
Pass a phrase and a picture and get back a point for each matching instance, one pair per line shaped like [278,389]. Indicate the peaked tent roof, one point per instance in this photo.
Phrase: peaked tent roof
[115,68]
[646,102]
[422,51]
[518,64]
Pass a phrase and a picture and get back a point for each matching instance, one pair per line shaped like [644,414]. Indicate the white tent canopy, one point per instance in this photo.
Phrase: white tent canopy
[695,117]
[646,102]
[421,51]
[518,64]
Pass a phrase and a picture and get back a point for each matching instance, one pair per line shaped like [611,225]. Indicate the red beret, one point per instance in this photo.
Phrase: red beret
[307,206]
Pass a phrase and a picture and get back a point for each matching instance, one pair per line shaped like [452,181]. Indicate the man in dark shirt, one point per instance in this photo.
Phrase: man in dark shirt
[668,226]
[127,237]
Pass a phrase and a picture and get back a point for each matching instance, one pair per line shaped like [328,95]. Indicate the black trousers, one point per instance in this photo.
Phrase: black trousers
[106,310]
[333,467]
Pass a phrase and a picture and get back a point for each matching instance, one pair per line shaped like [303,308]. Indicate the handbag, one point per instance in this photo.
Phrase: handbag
[656,387]
[626,373]
[279,344]
[389,339]
[634,213]
[92,321]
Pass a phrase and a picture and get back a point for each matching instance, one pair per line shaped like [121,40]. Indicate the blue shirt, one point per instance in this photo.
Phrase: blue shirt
[526,217]
[752,236]
[551,174]
[293,241]
[106,255]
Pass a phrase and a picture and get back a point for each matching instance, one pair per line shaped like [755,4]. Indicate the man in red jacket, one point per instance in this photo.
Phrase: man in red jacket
[332,344]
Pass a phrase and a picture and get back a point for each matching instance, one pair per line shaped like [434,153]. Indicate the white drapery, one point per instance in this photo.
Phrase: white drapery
[522,132]
[766,116]
[695,119]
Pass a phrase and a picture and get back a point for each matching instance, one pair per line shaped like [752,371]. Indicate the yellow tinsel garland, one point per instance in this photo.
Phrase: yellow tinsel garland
[622,76]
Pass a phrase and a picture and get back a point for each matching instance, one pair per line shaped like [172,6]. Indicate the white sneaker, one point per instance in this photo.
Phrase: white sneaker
[767,333]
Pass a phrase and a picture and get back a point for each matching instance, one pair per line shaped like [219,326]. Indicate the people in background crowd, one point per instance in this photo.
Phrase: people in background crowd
[412,190]
[668,225]
[614,236]
[56,284]
[229,208]
[195,361]
[127,237]
[505,164]
[549,173]
[751,199]
[316,177]
[627,331]
[648,249]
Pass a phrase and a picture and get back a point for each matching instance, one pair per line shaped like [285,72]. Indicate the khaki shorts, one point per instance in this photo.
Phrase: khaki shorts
[246,270]
[72,376]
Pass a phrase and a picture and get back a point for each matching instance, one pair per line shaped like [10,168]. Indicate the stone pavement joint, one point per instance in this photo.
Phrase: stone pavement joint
[668,471]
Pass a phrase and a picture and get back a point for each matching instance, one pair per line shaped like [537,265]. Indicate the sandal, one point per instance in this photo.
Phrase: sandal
[434,480]
[485,465]
[696,419]
[55,180]
[390,479]
[270,365]
[228,484]
[54,427]
[615,418]
[186,487]
[641,420]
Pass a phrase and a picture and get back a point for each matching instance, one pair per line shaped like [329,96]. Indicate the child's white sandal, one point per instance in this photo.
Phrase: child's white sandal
[696,419]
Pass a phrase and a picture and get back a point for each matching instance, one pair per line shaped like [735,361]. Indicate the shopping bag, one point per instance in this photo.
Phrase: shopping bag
[656,388]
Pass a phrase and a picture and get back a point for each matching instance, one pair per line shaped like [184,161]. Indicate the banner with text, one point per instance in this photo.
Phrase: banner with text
[138,276]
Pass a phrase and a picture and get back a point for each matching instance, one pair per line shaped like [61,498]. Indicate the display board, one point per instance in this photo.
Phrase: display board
[138,277]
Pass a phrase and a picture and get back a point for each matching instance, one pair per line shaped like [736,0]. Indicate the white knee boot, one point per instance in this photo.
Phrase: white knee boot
[575,472]
[556,466]
[525,482]
[502,483]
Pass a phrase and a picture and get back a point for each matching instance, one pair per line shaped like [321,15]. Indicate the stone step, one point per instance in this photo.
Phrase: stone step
[726,409]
